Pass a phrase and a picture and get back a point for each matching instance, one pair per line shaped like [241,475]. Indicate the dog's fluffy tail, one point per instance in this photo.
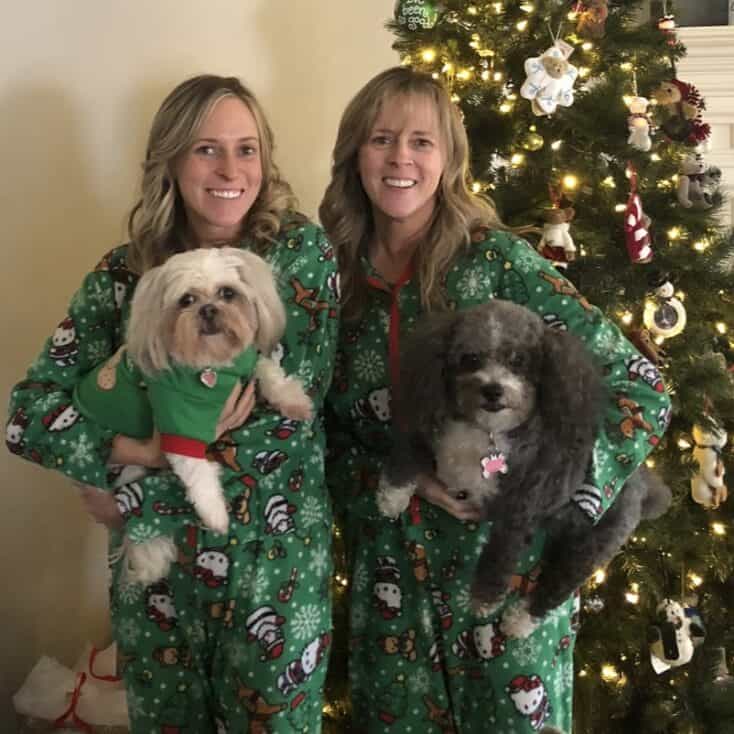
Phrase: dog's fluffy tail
[149,561]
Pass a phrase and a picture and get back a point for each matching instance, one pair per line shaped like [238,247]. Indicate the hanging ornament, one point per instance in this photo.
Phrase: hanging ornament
[556,243]
[416,14]
[665,317]
[674,636]
[636,225]
[666,24]
[697,183]
[638,121]
[593,604]
[681,108]
[707,485]
[592,19]
[550,79]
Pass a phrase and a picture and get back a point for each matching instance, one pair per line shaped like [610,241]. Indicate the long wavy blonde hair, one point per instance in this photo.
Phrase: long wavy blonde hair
[346,212]
[157,223]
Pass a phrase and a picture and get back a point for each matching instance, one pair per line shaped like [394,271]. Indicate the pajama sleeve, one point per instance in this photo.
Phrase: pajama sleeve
[44,426]
[638,410]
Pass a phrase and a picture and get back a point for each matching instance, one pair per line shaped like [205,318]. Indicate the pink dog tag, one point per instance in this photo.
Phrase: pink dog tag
[494,463]
[208,377]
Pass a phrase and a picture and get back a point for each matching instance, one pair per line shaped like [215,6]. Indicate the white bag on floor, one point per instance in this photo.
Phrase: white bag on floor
[89,698]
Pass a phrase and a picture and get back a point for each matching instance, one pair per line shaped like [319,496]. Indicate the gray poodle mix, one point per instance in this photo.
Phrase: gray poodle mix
[505,410]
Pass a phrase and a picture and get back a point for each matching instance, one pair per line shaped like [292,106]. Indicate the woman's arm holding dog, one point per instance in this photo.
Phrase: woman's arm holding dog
[44,426]
[637,408]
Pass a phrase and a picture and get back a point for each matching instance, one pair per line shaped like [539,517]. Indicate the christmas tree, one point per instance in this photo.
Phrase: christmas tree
[580,126]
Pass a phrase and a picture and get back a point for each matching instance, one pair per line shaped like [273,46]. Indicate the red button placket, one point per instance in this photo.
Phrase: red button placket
[393,350]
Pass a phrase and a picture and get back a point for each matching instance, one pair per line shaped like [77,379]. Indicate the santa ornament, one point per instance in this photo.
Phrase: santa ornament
[637,226]
[550,79]
[556,243]
[707,485]
[665,317]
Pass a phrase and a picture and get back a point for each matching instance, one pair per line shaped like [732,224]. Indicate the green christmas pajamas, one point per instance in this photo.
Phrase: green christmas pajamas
[420,660]
[237,637]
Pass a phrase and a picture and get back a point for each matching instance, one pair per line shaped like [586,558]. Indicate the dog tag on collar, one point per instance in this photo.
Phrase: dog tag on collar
[493,463]
[208,377]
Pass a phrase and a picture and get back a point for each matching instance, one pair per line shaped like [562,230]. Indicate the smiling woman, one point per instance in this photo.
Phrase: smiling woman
[220,174]
[199,645]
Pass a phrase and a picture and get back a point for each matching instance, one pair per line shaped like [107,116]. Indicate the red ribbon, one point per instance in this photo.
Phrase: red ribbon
[108,678]
[78,722]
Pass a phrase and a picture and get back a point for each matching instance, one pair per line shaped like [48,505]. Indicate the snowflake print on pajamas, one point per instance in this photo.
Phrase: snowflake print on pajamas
[369,366]
[129,632]
[526,261]
[360,576]
[131,592]
[420,682]
[306,621]
[320,559]
[83,452]
[526,651]
[473,283]
[312,512]
[141,533]
[97,351]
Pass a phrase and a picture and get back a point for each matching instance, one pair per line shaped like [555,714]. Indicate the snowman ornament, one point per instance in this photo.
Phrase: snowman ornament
[665,317]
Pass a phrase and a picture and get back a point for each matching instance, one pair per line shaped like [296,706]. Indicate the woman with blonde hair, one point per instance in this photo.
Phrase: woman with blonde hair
[237,635]
[412,238]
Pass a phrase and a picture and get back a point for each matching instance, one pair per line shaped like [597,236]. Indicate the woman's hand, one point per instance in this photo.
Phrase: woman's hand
[141,452]
[433,490]
[237,409]
[102,506]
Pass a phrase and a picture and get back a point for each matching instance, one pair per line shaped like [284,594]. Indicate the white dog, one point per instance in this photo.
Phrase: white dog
[200,323]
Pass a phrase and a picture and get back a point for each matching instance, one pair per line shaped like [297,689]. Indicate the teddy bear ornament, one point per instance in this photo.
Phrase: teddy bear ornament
[550,79]
[556,243]
[707,485]
[697,182]
[638,124]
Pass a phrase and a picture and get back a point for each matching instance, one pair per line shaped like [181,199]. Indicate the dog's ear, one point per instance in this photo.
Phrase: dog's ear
[422,394]
[259,280]
[570,401]
[145,332]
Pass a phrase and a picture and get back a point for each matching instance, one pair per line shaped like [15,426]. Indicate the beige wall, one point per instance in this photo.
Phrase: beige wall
[79,82]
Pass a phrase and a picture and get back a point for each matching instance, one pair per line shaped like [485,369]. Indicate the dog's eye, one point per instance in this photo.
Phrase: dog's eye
[517,361]
[470,362]
[186,300]
[226,293]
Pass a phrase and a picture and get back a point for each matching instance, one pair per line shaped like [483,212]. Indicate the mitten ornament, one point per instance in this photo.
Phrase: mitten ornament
[592,19]
[416,14]
[675,635]
[681,106]
[637,227]
[707,485]
[665,316]
[556,243]
[550,79]
[638,124]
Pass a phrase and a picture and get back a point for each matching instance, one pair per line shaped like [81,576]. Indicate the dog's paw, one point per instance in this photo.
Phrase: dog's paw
[517,622]
[214,515]
[291,400]
[300,410]
[392,500]
[149,561]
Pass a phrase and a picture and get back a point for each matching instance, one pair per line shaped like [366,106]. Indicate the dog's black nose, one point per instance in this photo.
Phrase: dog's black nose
[208,311]
[492,392]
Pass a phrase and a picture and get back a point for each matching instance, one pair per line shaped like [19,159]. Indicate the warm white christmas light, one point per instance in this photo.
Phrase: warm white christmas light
[428,55]
[718,528]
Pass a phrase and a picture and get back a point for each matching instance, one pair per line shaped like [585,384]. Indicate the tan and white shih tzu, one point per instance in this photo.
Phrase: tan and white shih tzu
[505,410]
[202,322]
